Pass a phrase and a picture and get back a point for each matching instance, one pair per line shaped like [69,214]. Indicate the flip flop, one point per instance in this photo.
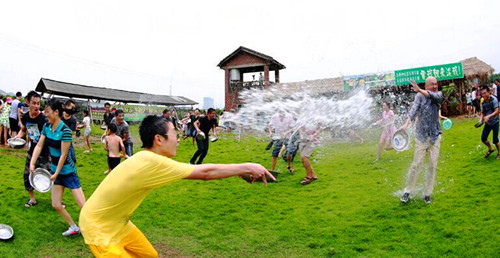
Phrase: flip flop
[30,203]
[292,170]
[307,180]
[488,153]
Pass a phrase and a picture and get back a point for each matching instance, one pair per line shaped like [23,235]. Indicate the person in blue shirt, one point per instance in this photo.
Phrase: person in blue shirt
[428,132]
[57,136]
[489,115]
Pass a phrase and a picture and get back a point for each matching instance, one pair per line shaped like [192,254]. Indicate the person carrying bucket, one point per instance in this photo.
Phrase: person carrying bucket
[32,124]
[428,132]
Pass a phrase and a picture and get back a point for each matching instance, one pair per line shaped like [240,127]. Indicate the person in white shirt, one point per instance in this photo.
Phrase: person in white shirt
[474,104]
[495,88]
[278,127]
[87,130]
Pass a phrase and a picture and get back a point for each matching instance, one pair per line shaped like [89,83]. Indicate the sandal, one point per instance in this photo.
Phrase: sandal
[30,203]
[307,180]
[498,156]
[292,170]
[488,153]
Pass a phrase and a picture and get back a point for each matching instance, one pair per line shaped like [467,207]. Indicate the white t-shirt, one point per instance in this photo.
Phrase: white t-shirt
[281,125]
[495,88]
[86,121]
[473,95]
[13,110]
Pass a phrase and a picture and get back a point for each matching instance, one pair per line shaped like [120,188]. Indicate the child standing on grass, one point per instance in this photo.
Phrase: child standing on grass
[87,130]
[113,144]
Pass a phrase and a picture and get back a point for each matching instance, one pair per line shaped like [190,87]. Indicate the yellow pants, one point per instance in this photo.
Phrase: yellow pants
[135,244]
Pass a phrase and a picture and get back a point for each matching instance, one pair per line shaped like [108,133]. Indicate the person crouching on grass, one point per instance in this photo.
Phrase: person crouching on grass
[105,218]
[113,144]
[57,136]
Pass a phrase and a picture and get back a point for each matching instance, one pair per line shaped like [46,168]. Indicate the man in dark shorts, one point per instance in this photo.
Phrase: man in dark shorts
[204,124]
[113,144]
[32,123]
[489,115]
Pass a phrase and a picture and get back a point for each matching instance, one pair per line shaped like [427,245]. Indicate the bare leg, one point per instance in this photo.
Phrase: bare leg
[5,133]
[57,194]
[488,144]
[87,142]
[307,165]
[388,145]
[273,163]
[32,196]
[79,196]
[289,163]
[379,150]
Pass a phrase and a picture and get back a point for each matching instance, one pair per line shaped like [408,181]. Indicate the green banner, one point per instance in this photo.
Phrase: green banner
[440,72]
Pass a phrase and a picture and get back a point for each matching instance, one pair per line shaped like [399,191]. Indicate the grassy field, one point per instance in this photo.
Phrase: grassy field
[352,210]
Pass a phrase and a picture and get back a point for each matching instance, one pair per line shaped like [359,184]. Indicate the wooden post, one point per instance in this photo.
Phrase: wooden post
[266,76]
[227,96]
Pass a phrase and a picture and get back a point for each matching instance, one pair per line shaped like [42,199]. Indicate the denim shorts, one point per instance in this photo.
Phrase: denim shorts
[70,181]
[277,147]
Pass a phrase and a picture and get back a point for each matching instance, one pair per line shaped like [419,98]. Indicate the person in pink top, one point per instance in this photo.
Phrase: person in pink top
[388,129]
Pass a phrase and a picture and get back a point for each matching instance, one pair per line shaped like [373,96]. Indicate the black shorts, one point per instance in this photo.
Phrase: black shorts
[475,103]
[41,162]
[113,162]
[14,125]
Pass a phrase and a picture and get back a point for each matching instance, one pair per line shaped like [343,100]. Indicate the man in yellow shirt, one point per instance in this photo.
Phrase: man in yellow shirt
[104,219]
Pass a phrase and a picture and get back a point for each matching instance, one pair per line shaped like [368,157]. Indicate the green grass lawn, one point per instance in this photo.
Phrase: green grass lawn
[352,210]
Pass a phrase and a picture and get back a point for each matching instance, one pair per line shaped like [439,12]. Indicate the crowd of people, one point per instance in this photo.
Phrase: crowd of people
[104,217]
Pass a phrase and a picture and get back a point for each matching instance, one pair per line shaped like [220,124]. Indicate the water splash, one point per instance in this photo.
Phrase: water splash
[309,111]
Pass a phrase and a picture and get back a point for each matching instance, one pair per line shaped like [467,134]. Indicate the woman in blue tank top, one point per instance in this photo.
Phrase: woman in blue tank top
[57,136]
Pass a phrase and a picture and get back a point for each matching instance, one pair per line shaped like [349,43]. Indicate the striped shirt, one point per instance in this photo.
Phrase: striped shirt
[54,139]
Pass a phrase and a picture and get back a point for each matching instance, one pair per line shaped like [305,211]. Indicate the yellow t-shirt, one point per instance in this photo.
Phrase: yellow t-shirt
[104,219]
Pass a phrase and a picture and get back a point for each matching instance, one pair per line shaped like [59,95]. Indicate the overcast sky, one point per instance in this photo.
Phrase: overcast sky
[150,46]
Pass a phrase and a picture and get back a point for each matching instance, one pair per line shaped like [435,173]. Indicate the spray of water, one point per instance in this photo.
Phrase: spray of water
[310,111]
